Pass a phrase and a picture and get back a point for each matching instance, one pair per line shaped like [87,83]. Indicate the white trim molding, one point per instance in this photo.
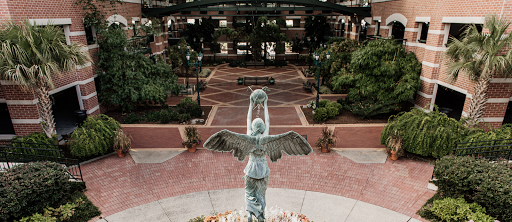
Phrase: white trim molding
[493,119]
[132,1]
[501,80]
[422,19]
[84,66]
[22,102]
[93,46]
[77,33]
[429,64]
[412,29]
[2,100]
[61,21]
[93,109]
[117,18]
[498,100]
[6,136]
[26,121]
[89,96]
[427,47]
[376,18]
[71,85]
[425,95]
[460,90]
[397,17]
[464,20]
[437,32]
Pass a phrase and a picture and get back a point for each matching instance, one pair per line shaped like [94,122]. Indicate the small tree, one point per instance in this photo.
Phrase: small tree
[266,31]
[480,55]
[383,76]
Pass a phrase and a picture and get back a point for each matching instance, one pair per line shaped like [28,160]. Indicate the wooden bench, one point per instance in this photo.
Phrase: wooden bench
[256,79]
[308,85]
[202,85]
[247,64]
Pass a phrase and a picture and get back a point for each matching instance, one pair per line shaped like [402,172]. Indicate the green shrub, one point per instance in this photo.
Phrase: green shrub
[27,189]
[320,115]
[187,105]
[132,119]
[85,211]
[504,132]
[80,209]
[323,103]
[237,63]
[205,72]
[477,180]
[450,209]
[338,107]
[427,134]
[28,142]
[152,116]
[94,137]
[325,90]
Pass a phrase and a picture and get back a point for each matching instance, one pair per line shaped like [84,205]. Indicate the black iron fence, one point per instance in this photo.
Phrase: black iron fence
[491,149]
[15,153]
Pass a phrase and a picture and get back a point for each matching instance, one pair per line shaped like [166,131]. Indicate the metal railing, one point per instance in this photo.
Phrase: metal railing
[15,153]
[491,149]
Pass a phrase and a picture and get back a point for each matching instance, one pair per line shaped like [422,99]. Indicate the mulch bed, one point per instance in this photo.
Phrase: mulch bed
[346,117]
[119,116]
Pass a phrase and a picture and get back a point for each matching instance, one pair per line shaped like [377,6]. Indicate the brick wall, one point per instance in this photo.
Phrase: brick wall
[24,115]
[431,53]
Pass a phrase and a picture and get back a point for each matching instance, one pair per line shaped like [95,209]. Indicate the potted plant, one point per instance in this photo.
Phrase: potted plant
[192,139]
[394,145]
[240,80]
[271,80]
[122,143]
[327,140]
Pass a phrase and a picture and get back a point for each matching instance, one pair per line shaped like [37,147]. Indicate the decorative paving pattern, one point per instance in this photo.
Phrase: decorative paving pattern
[116,184]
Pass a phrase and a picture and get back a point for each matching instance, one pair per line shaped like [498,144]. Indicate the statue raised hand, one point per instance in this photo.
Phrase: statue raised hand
[257,144]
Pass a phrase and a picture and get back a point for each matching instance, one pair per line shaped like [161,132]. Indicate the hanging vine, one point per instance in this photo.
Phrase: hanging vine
[93,16]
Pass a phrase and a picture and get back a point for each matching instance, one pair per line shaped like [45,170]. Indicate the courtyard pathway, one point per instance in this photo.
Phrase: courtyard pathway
[118,184]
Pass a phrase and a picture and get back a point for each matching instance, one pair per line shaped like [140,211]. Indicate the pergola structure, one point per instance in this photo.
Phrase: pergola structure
[157,8]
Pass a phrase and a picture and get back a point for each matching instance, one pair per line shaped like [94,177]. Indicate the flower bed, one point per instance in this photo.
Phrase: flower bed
[273,215]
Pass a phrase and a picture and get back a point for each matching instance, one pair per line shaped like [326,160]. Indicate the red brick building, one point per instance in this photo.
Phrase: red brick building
[425,25]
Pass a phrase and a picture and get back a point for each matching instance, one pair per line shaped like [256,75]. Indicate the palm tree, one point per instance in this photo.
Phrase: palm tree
[31,55]
[481,56]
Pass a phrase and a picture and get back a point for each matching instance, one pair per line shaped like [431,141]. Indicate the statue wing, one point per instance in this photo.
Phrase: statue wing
[291,143]
[227,141]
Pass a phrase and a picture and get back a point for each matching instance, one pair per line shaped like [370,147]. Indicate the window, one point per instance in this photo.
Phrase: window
[189,1]
[288,47]
[377,32]
[224,48]
[242,48]
[191,21]
[289,23]
[457,29]
[423,32]
[223,23]
[89,35]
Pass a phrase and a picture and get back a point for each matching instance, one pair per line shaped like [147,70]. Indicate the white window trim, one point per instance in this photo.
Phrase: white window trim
[464,20]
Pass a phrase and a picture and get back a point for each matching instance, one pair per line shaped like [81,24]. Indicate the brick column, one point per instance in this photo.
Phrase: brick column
[23,109]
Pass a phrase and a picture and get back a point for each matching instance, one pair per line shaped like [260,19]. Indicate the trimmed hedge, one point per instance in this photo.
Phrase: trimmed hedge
[27,189]
[477,181]
[326,110]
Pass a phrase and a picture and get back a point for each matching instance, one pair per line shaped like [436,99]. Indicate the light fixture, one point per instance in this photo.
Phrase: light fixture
[194,39]
[309,38]
[325,45]
[200,57]
[188,46]
[179,46]
[201,39]
[188,56]
[321,45]
[328,55]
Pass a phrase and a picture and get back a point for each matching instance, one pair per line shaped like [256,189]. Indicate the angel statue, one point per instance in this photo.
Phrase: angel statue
[257,144]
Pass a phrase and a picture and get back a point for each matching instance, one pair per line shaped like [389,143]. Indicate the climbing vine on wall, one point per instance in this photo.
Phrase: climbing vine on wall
[93,16]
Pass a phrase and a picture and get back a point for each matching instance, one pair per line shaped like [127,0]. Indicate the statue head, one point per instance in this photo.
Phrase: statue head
[257,126]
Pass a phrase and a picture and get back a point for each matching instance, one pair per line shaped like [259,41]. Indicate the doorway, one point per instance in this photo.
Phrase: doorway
[450,102]
[398,31]
[6,126]
[65,103]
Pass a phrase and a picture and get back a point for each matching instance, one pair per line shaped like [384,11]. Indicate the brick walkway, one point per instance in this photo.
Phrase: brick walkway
[116,184]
